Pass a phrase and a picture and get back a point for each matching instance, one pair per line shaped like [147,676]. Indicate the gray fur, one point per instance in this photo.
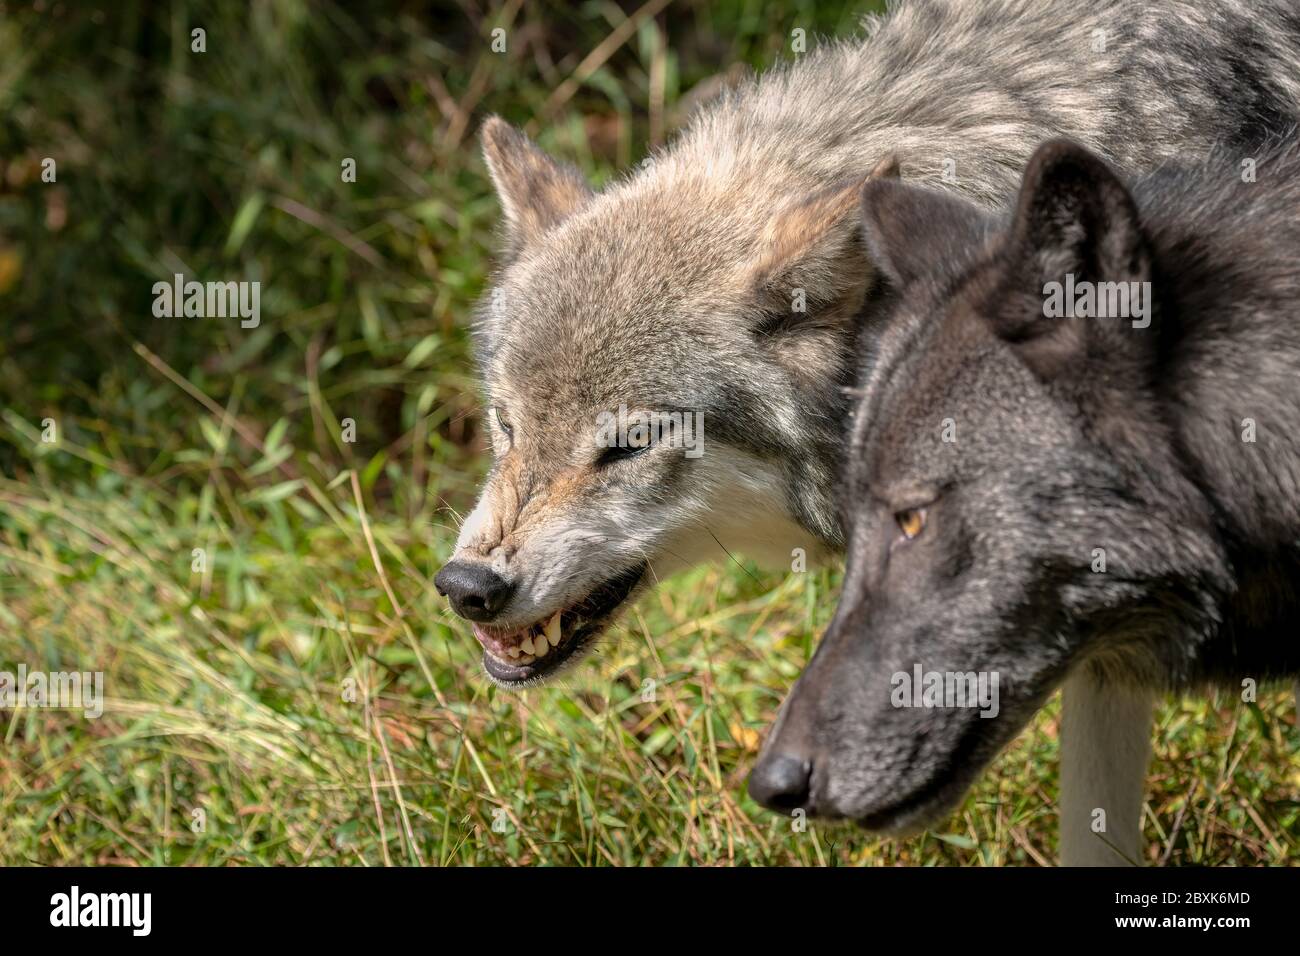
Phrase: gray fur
[672,288]
[1069,435]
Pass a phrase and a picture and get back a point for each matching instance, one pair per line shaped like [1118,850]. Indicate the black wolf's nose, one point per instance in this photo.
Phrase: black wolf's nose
[780,782]
[476,592]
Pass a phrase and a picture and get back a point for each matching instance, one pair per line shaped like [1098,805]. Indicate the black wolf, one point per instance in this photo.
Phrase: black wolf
[1033,495]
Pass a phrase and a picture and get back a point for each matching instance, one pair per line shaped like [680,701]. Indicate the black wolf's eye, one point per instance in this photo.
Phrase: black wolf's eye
[911,521]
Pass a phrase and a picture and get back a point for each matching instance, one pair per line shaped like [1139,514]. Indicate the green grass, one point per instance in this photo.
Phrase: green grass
[307,691]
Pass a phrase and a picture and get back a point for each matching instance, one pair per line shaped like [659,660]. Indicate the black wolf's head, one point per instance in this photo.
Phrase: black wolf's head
[1012,503]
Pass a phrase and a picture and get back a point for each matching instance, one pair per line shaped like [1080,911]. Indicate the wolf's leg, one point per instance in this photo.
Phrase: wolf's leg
[1105,746]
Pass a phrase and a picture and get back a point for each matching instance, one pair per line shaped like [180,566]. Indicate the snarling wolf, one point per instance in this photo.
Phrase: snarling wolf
[1030,496]
[727,277]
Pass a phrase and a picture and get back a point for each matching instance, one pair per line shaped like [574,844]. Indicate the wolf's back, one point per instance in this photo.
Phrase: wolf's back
[964,90]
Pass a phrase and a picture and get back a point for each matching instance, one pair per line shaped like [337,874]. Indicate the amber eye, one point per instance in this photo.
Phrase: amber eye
[910,522]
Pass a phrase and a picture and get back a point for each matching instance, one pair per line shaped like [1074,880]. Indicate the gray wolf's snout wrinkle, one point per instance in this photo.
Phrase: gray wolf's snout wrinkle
[780,782]
[477,593]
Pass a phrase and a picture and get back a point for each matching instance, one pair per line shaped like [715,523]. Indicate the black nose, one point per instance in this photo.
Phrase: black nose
[476,592]
[780,782]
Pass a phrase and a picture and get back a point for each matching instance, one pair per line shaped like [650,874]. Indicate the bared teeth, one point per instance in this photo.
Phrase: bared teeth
[540,640]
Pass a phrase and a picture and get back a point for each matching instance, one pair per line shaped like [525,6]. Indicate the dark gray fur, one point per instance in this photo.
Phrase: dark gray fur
[1071,434]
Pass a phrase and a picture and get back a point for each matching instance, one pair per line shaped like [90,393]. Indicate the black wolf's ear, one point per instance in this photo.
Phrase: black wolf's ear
[912,232]
[1076,227]
[536,192]
[1075,216]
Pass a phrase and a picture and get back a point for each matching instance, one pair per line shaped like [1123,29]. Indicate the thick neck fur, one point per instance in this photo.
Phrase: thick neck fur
[1228,346]
[1227,367]
[980,84]
[961,92]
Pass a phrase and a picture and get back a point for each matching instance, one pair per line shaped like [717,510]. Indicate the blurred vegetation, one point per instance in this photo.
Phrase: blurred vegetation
[305,688]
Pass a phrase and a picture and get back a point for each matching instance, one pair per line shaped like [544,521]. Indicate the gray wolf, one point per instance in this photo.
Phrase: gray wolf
[1034,496]
[726,276]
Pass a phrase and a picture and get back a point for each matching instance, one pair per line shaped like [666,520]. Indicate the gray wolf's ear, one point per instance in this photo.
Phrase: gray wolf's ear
[815,241]
[536,192]
[887,168]
[807,242]
[1075,216]
[912,232]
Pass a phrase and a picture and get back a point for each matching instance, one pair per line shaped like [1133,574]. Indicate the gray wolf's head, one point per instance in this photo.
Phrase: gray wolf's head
[1013,503]
[663,365]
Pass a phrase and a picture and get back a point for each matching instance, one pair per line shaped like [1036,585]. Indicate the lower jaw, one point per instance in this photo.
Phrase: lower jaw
[905,817]
[603,606]
[930,802]
[515,676]
[911,816]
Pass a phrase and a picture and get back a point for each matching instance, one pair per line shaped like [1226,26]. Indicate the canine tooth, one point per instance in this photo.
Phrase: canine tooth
[539,646]
[527,645]
[553,629]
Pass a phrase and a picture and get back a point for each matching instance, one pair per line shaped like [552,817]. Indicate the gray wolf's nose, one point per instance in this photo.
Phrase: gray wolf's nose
[476,592]
[780,782]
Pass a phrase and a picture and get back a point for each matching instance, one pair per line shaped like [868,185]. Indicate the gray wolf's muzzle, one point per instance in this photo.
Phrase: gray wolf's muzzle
[476,592]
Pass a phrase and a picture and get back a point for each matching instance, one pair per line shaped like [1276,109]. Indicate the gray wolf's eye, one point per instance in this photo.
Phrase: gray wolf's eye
[501,422]
[609,456]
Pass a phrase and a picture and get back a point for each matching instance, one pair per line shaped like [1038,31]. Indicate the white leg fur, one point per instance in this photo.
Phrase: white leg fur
[1105,746]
